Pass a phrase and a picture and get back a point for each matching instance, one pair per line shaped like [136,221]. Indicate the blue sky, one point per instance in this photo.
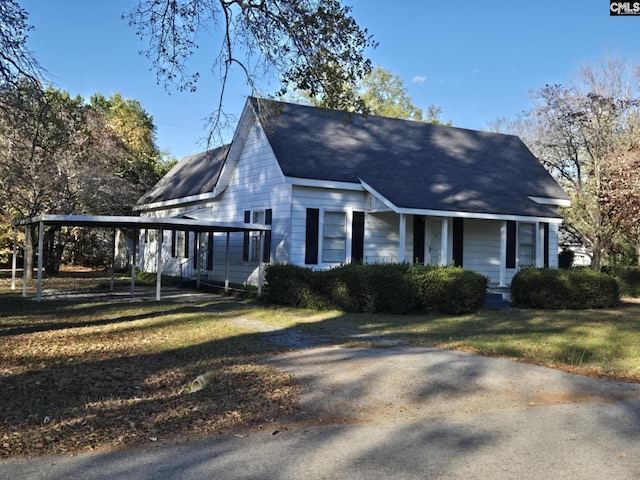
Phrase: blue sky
[476,60]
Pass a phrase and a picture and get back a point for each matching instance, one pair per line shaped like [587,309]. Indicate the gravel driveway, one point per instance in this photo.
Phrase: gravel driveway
[410,383]
[402,413]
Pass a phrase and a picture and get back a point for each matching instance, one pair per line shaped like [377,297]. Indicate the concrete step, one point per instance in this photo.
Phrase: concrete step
[495,301]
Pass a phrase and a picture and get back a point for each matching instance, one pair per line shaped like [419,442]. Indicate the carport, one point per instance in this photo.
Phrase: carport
[136,223]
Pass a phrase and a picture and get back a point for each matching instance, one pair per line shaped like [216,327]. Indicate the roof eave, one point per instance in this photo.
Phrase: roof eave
[553,218]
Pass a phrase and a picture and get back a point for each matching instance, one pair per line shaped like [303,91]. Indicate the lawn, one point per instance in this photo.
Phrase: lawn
[83,375]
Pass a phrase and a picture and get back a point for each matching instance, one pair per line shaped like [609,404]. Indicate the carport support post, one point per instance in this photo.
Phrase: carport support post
[226,266]
[198,244]
[136,234]
[14,260]
[40,259]
[27,252]
[159,265]
[113,259]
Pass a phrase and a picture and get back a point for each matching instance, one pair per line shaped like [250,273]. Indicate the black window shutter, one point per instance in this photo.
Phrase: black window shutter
[458,231]
[245,245]
[186,245]
[210,251]
[357,237]
[174,238]
[418,238]
[311,236]
[546,244]
[511,244]
[266,256]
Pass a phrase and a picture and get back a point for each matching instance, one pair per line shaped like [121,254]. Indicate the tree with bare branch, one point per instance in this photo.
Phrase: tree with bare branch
[575,130]
[17,62]
[313,45]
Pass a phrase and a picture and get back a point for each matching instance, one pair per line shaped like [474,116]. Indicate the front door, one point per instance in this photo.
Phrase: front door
[435,246]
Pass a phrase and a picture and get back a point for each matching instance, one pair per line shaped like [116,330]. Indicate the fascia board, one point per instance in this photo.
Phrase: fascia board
[379,196]
[479,216]
[560,202]
[175,202]
[310,182]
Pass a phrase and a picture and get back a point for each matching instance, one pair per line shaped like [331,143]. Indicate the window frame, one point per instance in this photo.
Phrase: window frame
[340,235]
[530,243]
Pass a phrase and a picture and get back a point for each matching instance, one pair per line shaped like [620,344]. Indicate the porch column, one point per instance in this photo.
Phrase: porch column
[261,264]
[159,265]
[444,242]
[503,254]
[539,245]
[403,238]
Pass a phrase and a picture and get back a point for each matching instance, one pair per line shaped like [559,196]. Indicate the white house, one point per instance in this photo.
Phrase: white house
[339,187]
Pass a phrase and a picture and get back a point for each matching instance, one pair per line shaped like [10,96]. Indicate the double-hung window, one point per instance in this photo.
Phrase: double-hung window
[254,255]
[334,237]
[251,245]
[526,244]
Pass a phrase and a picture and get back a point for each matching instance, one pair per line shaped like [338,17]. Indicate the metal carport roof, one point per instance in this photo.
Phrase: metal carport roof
[123,221]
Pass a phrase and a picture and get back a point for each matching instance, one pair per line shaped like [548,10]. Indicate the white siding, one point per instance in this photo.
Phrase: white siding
[326,200]
[382,234]
[256,183]
[481,248]
[553,245]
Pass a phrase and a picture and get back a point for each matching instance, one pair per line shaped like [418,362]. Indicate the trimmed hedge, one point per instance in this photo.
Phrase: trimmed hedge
[563,289]
[377,288]
[628,279]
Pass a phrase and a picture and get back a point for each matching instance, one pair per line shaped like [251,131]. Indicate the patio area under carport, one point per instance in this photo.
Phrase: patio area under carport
[125,222]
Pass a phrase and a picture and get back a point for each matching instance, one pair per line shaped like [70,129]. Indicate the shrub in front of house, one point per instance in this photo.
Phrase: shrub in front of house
[378,288]
[293,286]
[450,289]
[372,288]
[628,279]
[563,289]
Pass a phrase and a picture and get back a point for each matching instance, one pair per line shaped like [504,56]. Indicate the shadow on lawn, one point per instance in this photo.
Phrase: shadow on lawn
[54,311]
[130,399]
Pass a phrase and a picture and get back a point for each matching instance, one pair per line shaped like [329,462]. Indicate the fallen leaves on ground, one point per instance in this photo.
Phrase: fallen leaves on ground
[81,377]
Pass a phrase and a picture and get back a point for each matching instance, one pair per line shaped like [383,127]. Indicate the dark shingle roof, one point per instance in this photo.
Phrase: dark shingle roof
[412,164]
[193,175]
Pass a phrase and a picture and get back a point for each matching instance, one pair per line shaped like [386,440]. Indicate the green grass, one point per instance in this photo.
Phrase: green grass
[80,375]
[603,343]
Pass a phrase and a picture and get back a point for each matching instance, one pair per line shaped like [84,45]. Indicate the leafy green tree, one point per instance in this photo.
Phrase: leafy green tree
[124,118]
[384,94]
[311,45]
